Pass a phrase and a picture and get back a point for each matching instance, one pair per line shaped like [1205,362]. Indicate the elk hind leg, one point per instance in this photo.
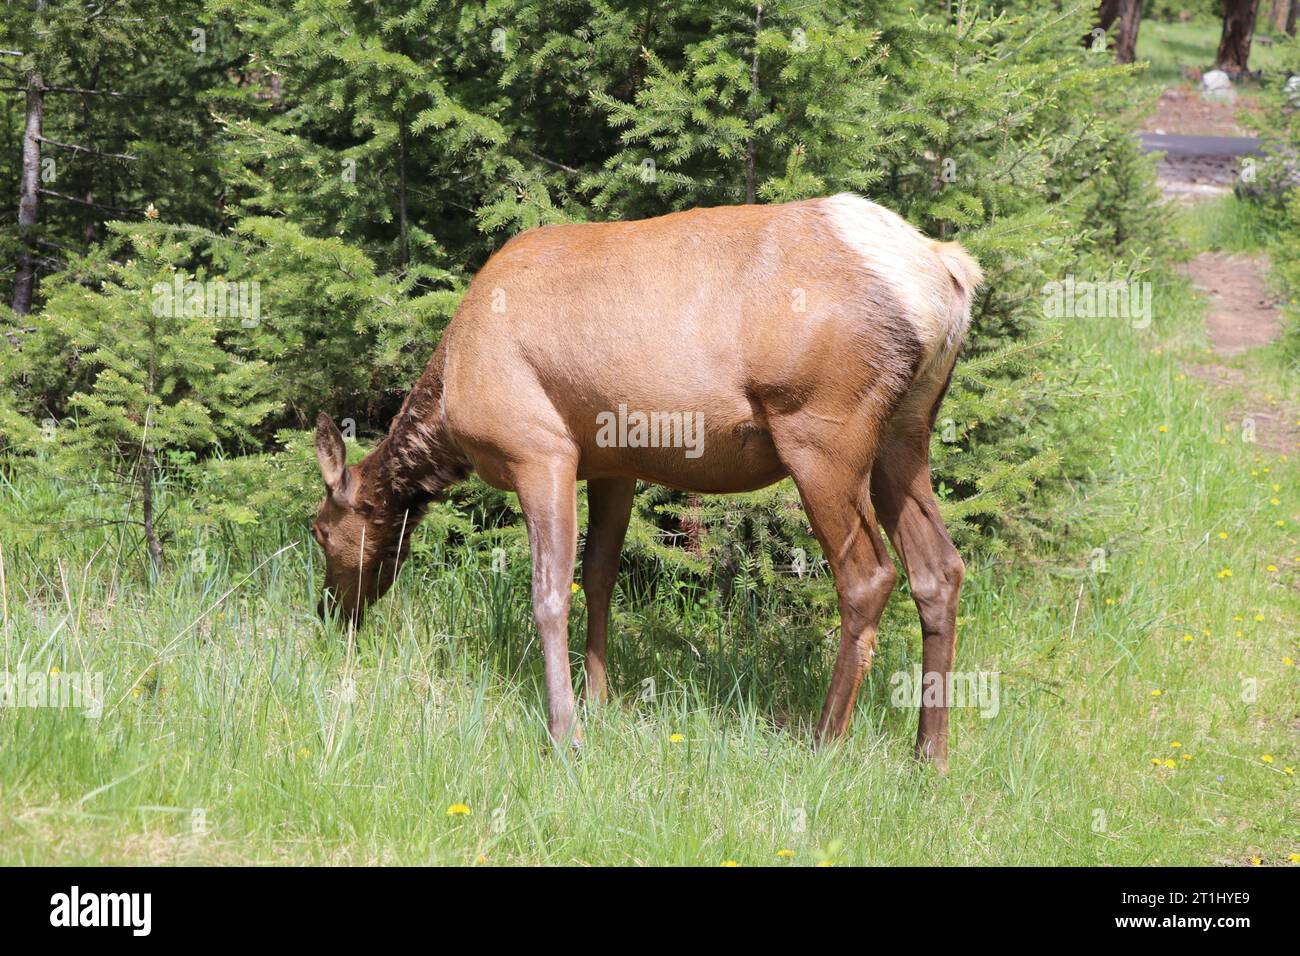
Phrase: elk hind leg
[904,499]
[833,486]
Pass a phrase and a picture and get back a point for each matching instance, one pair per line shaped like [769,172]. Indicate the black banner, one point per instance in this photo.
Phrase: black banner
[213,906]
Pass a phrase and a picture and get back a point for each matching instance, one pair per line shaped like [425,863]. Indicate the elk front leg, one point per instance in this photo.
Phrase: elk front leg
[609,506]
[548,497]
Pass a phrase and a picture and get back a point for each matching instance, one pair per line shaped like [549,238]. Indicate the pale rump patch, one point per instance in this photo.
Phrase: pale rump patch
[933,280]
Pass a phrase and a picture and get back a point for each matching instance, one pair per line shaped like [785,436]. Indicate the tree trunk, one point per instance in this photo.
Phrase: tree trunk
[1291,17]
[1129,15]
[404,226]
[1106,15]
[1238,29]
[88,234]
[148,463]
[150,532]
[1130,18]
[29,195]
[1277,15]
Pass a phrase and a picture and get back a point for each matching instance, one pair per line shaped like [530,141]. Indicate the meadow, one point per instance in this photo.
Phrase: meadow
[1146,715]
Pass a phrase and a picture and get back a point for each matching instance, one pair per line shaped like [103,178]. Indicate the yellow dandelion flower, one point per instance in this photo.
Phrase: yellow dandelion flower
[1187,756]
[458,810]
[575,587]
[1275,501]
[1162,429]
[136,692]
[1287,662]
[55,672]
[1255,861]
[1289,771]
[1175,743]
[480,859]
[1187,638]
[304,752]
[1110,600]
[730,863]
[825,863]
[676,738]
[1156,761]
[1294,857]
[1157,692]
[1223,535]
[1267,758]
[1170,764]
[1259,617]
[1271,569]
[785,854]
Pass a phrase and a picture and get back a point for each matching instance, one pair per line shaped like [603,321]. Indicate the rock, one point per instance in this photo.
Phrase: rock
[1216,87]
[1292,89]
[1216,80]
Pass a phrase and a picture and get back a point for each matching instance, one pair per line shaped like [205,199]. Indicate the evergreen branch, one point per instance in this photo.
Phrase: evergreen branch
[551,162]
[88,202]
[84,149]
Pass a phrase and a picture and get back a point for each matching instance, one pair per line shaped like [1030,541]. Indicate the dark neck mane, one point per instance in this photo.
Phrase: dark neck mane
[417,460]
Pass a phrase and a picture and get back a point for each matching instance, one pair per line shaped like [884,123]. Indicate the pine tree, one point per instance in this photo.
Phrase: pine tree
[144,344]
[113,122]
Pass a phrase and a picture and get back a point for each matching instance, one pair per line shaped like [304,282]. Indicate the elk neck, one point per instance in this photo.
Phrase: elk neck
[417,460]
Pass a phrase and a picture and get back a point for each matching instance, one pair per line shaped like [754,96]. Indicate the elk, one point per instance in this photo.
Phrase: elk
[813,339]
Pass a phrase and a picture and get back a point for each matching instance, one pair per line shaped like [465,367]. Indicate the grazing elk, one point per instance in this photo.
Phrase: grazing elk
[816,339]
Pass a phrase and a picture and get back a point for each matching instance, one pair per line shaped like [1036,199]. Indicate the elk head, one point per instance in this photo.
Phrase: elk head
[364,544]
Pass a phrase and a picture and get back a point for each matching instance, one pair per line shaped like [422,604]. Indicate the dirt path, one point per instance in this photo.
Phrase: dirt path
[1241,314]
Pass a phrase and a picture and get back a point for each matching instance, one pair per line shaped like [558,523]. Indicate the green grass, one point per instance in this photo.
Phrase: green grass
[1169,47]
[1226,225]
[224,696]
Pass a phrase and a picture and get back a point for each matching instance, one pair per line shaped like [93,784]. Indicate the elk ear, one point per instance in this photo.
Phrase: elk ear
[330,452]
